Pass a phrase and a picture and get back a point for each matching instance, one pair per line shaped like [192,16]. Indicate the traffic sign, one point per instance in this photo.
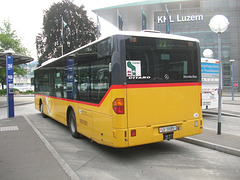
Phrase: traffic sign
[235,84]
[9,82]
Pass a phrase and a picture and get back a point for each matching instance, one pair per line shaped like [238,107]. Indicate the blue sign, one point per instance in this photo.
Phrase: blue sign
[10,89]
[211,68]
[70,78]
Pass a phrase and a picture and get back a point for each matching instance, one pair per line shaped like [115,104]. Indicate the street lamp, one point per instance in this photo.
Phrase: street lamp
[219,24]
[231,61]
[208,53]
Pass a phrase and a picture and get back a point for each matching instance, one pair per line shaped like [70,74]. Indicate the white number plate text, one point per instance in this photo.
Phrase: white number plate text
[167,129]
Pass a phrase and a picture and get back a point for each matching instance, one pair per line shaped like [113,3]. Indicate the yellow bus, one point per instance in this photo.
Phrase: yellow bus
[127,89]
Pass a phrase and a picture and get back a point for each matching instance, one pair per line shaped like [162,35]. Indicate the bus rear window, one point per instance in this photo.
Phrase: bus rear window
[153,60]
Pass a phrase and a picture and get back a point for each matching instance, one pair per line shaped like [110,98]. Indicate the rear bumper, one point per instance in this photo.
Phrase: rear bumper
[150,134]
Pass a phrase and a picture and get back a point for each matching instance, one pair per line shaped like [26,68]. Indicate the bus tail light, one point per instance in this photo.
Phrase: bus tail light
[200,99]
[118,106]
[133,132]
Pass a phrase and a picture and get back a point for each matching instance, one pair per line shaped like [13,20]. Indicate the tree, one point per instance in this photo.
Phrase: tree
[78,31]
[9,39]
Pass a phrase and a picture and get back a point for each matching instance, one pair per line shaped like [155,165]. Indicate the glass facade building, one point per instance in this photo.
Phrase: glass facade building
[188,18]
[191,18]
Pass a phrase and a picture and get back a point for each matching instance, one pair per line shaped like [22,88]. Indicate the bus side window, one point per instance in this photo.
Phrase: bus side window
[83,78]
[59,84]
[101,76]
[52,91]
[42,82]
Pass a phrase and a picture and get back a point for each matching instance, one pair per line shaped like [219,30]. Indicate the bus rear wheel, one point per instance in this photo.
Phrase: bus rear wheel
[72,124]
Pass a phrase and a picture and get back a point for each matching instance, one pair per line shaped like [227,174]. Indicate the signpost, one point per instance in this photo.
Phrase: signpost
[9,81]
[6,60]
[231,62]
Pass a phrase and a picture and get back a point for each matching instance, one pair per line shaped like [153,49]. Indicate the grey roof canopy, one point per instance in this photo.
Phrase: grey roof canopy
[17,59]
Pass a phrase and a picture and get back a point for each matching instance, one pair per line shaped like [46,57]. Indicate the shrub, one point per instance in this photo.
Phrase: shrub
[3,92]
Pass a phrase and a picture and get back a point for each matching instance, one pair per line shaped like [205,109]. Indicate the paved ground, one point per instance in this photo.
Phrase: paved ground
[24,149]
[23,154]
[229,140]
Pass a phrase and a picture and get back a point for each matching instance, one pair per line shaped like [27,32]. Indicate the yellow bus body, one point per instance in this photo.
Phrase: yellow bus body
[146,109]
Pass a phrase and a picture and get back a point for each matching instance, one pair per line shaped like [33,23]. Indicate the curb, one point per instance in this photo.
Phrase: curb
[17,104]
[68,170]
[223,113]
[213,146]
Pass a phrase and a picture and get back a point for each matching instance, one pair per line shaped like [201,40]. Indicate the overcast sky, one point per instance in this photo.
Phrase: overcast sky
[26,16]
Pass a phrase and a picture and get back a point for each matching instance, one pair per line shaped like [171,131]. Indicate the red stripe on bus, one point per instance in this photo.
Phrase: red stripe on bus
[124,87]
[88,103]
[163,85]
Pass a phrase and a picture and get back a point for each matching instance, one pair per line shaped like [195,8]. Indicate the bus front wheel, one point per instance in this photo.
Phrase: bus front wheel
[41,110]
[72,125]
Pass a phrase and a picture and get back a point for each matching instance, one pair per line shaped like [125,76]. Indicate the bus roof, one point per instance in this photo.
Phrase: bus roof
[146,33]
[154,34]
[209,60]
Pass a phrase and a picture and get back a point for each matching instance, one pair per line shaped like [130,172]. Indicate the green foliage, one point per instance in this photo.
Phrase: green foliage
[28,92]
[19,70]
[10,40]
[2,76]
[3,92]
[78,32]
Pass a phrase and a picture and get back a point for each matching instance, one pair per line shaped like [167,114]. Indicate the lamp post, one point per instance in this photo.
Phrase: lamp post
[219,24]
[208,53]
[231,61]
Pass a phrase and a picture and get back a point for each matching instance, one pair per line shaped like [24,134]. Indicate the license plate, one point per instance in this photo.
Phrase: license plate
[167,129]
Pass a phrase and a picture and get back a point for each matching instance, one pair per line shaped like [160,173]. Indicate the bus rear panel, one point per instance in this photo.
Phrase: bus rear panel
[163,89]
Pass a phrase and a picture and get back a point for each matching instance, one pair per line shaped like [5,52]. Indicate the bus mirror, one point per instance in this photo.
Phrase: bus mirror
[32,81]
[110,67]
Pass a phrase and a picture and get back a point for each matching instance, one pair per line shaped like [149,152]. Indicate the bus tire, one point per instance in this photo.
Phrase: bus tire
[41,110]
[72,125]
